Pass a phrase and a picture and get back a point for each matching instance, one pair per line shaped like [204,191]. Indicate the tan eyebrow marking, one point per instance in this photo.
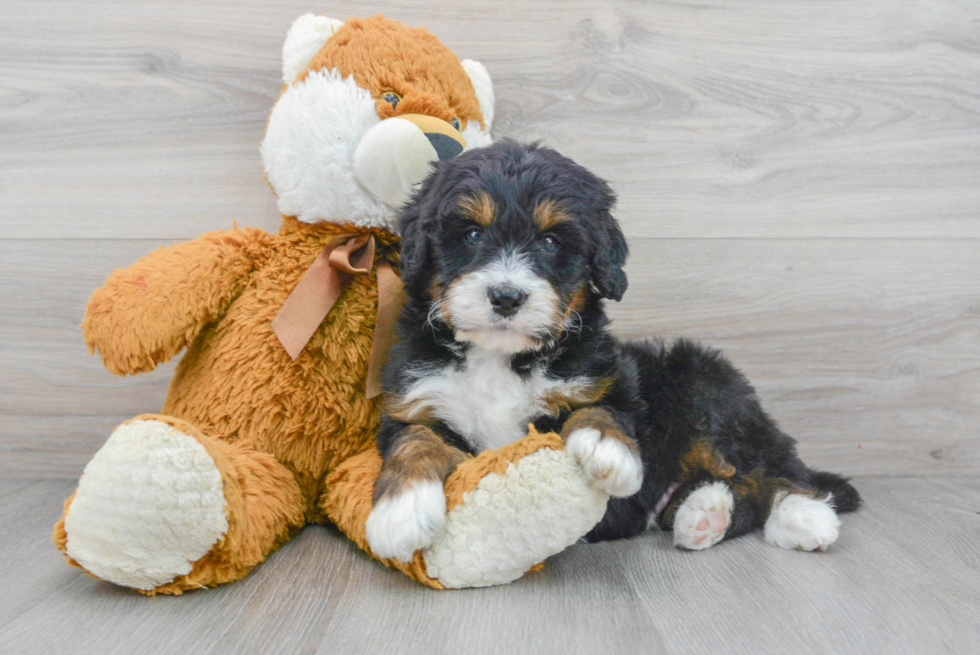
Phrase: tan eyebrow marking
[479,208]
[549,213]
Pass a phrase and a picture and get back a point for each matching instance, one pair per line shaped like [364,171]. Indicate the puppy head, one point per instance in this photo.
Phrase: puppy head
[508,242]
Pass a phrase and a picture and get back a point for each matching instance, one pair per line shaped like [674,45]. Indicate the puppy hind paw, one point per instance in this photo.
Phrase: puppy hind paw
[703,517]
[406,522]
[801,522]
[612,465]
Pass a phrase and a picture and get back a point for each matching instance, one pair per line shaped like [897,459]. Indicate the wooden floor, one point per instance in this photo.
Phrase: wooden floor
[800,184]
[904,577]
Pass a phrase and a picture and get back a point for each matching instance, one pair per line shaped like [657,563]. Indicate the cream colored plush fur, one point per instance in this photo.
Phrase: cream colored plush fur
[149,504]
[558,506]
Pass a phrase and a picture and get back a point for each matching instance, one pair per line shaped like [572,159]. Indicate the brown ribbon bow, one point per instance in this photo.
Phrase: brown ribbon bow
[321,286]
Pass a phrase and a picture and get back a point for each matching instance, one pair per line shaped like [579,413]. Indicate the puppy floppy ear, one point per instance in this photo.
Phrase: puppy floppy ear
[416,255]
[610,250]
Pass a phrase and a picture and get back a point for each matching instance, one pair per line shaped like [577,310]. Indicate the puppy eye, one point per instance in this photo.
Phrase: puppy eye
[391,98]
[473,237]
[455,123]
[549,243]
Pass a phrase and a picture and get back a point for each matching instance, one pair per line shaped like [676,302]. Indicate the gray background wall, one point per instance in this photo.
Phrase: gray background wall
[800,181]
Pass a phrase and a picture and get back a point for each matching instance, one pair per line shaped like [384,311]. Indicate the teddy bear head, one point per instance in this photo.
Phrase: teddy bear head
[366,106]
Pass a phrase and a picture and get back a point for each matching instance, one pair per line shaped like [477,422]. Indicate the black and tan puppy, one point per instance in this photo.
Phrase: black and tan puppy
[507,255]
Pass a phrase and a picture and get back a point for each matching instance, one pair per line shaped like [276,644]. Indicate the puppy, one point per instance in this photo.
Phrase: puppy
[507,255]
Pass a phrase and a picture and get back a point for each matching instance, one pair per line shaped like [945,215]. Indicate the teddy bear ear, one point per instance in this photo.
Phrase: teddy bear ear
[483,87]
[306,36]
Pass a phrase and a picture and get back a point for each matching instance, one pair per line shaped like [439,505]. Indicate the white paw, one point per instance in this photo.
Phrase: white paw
[400,525]
[703,517]
[607,462]
[798,521]
[149,505]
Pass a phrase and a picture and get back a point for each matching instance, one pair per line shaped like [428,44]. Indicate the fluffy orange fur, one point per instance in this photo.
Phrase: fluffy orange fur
[274,427]
[386,56]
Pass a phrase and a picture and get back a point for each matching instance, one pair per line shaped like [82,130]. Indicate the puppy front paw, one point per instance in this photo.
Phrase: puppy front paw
[407,521]
[610,463]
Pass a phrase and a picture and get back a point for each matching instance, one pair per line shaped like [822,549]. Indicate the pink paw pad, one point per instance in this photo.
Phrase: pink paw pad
[703,517]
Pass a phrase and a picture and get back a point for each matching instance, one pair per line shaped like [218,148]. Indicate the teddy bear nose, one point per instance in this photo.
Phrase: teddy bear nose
[506,301]
[445,146]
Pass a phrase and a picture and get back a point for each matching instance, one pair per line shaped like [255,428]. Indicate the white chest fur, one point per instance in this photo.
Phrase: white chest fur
[484,400]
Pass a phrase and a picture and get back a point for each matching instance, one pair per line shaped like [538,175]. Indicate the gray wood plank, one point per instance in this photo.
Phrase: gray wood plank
[904,577]
[752,119]
[26,518]
[866,352]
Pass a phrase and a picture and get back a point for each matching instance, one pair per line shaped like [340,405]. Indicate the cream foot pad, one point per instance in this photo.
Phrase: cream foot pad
[149,504]
[545,503]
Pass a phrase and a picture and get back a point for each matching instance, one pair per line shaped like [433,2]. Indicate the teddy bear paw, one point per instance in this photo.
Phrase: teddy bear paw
[403,523]
[515,518]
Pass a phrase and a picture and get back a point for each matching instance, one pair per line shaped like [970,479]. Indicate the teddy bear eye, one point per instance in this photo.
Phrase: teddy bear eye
[392,98]
[455,123]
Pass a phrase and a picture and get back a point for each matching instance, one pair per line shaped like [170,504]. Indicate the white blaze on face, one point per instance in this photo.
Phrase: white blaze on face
[468,305]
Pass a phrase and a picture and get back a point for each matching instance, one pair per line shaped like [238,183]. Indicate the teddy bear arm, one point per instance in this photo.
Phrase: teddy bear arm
[148,312]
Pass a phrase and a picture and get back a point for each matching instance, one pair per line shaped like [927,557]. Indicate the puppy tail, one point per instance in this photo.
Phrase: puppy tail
[846,497]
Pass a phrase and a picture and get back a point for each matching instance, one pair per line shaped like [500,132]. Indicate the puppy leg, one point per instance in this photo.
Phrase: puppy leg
[793,514]
[706,511]
[409,500]
[703,510]
[608,456]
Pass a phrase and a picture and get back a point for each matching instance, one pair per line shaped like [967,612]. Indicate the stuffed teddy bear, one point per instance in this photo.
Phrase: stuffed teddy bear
[270,417]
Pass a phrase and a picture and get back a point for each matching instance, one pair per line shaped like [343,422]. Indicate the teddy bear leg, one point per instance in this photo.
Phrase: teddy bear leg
[163,508]
[508,510]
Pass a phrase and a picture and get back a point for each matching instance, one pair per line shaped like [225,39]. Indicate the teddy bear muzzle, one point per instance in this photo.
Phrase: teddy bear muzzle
[395,155]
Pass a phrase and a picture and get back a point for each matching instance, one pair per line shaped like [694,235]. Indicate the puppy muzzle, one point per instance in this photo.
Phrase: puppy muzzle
[503,305]
[506,300]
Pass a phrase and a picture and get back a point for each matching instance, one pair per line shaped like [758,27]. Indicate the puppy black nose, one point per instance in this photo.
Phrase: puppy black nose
[506,300]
